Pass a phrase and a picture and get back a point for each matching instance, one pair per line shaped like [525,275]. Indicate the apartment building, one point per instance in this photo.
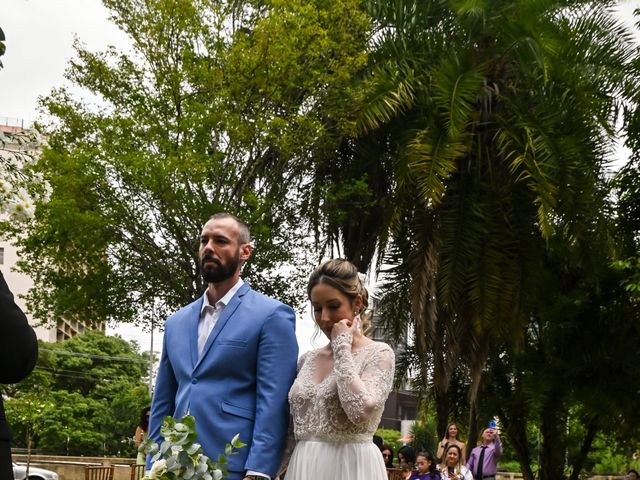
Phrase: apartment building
[54,330]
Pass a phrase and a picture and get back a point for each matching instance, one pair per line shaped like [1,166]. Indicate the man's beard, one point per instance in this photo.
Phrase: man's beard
[223,272]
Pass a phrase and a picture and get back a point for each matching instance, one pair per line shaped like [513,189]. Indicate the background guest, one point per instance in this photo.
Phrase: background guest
[451,438]
[142,431]
[425,467]
[406,454]
[452,468]
[483,461]
[387,456]
[407,470]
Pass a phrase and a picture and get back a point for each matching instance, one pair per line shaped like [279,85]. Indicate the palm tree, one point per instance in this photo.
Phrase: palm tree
[493,123]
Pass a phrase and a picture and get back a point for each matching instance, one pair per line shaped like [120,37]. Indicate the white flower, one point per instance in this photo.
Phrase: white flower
[19,208]
[5,187]
[158,468]
[217,474]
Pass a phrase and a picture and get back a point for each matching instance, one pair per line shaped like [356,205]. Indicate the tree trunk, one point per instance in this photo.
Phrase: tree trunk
[578,464]
[552,428]
[472,441]
[442,412]
[441,380]
[515,427]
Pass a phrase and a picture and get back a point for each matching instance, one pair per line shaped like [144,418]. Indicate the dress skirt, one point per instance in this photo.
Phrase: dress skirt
[315,459]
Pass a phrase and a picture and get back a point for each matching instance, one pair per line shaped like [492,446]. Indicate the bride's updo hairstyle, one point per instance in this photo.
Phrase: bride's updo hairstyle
[342,275]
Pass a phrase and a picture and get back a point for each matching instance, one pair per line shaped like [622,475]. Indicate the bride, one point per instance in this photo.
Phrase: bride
[340,391]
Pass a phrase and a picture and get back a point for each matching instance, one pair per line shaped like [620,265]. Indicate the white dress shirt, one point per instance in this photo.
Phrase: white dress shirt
[209,314]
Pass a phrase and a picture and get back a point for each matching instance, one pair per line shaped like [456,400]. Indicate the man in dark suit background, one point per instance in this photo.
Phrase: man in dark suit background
[18,356]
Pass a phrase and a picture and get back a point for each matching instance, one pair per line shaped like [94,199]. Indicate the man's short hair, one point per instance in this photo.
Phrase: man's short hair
[244,235]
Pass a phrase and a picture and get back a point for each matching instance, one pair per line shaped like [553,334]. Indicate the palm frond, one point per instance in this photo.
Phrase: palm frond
[392,94]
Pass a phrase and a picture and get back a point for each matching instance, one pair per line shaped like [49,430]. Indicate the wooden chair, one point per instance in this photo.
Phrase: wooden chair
[395,474]
[137,472]
[98,473]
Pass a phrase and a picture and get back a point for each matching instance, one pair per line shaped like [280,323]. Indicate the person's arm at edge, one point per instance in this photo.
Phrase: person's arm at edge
[277,352]
[19,352]
[137,438]
[440,450]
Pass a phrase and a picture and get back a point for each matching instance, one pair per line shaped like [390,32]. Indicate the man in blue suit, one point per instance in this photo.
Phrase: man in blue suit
[229,359]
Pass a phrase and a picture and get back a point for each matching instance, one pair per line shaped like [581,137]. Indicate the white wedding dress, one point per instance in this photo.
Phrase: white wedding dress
[334,420]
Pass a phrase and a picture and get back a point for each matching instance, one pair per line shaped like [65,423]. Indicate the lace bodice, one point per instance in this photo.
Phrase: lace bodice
[348,403]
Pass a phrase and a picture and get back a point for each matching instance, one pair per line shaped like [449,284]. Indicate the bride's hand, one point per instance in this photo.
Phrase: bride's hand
[345,326]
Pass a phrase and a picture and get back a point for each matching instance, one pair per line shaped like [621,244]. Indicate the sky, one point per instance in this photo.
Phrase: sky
[39,41]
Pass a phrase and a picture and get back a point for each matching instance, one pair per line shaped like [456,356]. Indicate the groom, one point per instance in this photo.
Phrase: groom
[229,359]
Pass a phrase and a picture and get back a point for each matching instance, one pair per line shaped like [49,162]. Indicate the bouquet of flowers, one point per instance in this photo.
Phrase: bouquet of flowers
[180,457]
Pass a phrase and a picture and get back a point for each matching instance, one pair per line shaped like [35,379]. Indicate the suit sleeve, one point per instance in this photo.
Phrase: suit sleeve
[18,342]
[164,395]
[276,370]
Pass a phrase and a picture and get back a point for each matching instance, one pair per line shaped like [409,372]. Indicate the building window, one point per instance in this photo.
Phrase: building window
[1,255]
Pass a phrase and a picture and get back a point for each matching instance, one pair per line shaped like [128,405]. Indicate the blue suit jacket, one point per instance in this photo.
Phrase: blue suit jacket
[240,382]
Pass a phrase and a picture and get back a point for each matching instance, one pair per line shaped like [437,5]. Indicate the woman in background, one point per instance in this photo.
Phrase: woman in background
[387,456]
[452,468]
[142,430]
[451,438]
[406,454]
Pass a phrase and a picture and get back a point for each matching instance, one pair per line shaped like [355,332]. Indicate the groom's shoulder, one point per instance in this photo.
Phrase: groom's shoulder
[185,311]
[258,299]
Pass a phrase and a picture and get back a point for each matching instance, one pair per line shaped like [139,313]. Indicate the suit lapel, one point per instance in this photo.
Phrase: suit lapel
[228,311]
[194,318]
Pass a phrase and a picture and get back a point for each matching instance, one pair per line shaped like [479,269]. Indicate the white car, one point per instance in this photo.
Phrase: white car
[20,471]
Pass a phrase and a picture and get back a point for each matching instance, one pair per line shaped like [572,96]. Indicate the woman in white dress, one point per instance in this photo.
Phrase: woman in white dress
[340,391]
[452,468]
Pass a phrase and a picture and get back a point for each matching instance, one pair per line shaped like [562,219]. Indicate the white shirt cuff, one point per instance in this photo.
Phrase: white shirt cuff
[251,472]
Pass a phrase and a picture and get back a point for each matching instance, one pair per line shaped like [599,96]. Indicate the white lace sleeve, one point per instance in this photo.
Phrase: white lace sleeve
[290,442]
[364,393]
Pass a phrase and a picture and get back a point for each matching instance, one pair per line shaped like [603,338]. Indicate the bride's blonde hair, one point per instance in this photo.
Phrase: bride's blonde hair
[343,275]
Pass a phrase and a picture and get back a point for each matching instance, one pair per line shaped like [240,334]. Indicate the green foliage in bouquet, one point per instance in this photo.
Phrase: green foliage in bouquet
[180,457]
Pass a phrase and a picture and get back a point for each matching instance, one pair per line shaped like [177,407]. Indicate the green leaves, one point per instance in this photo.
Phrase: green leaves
[180,457]
[94,391]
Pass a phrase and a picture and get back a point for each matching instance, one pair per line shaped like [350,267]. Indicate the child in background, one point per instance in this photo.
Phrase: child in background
[407,470]
[426,468]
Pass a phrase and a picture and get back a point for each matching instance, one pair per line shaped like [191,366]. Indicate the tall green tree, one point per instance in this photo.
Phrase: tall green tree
[576,367]
[211,108]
